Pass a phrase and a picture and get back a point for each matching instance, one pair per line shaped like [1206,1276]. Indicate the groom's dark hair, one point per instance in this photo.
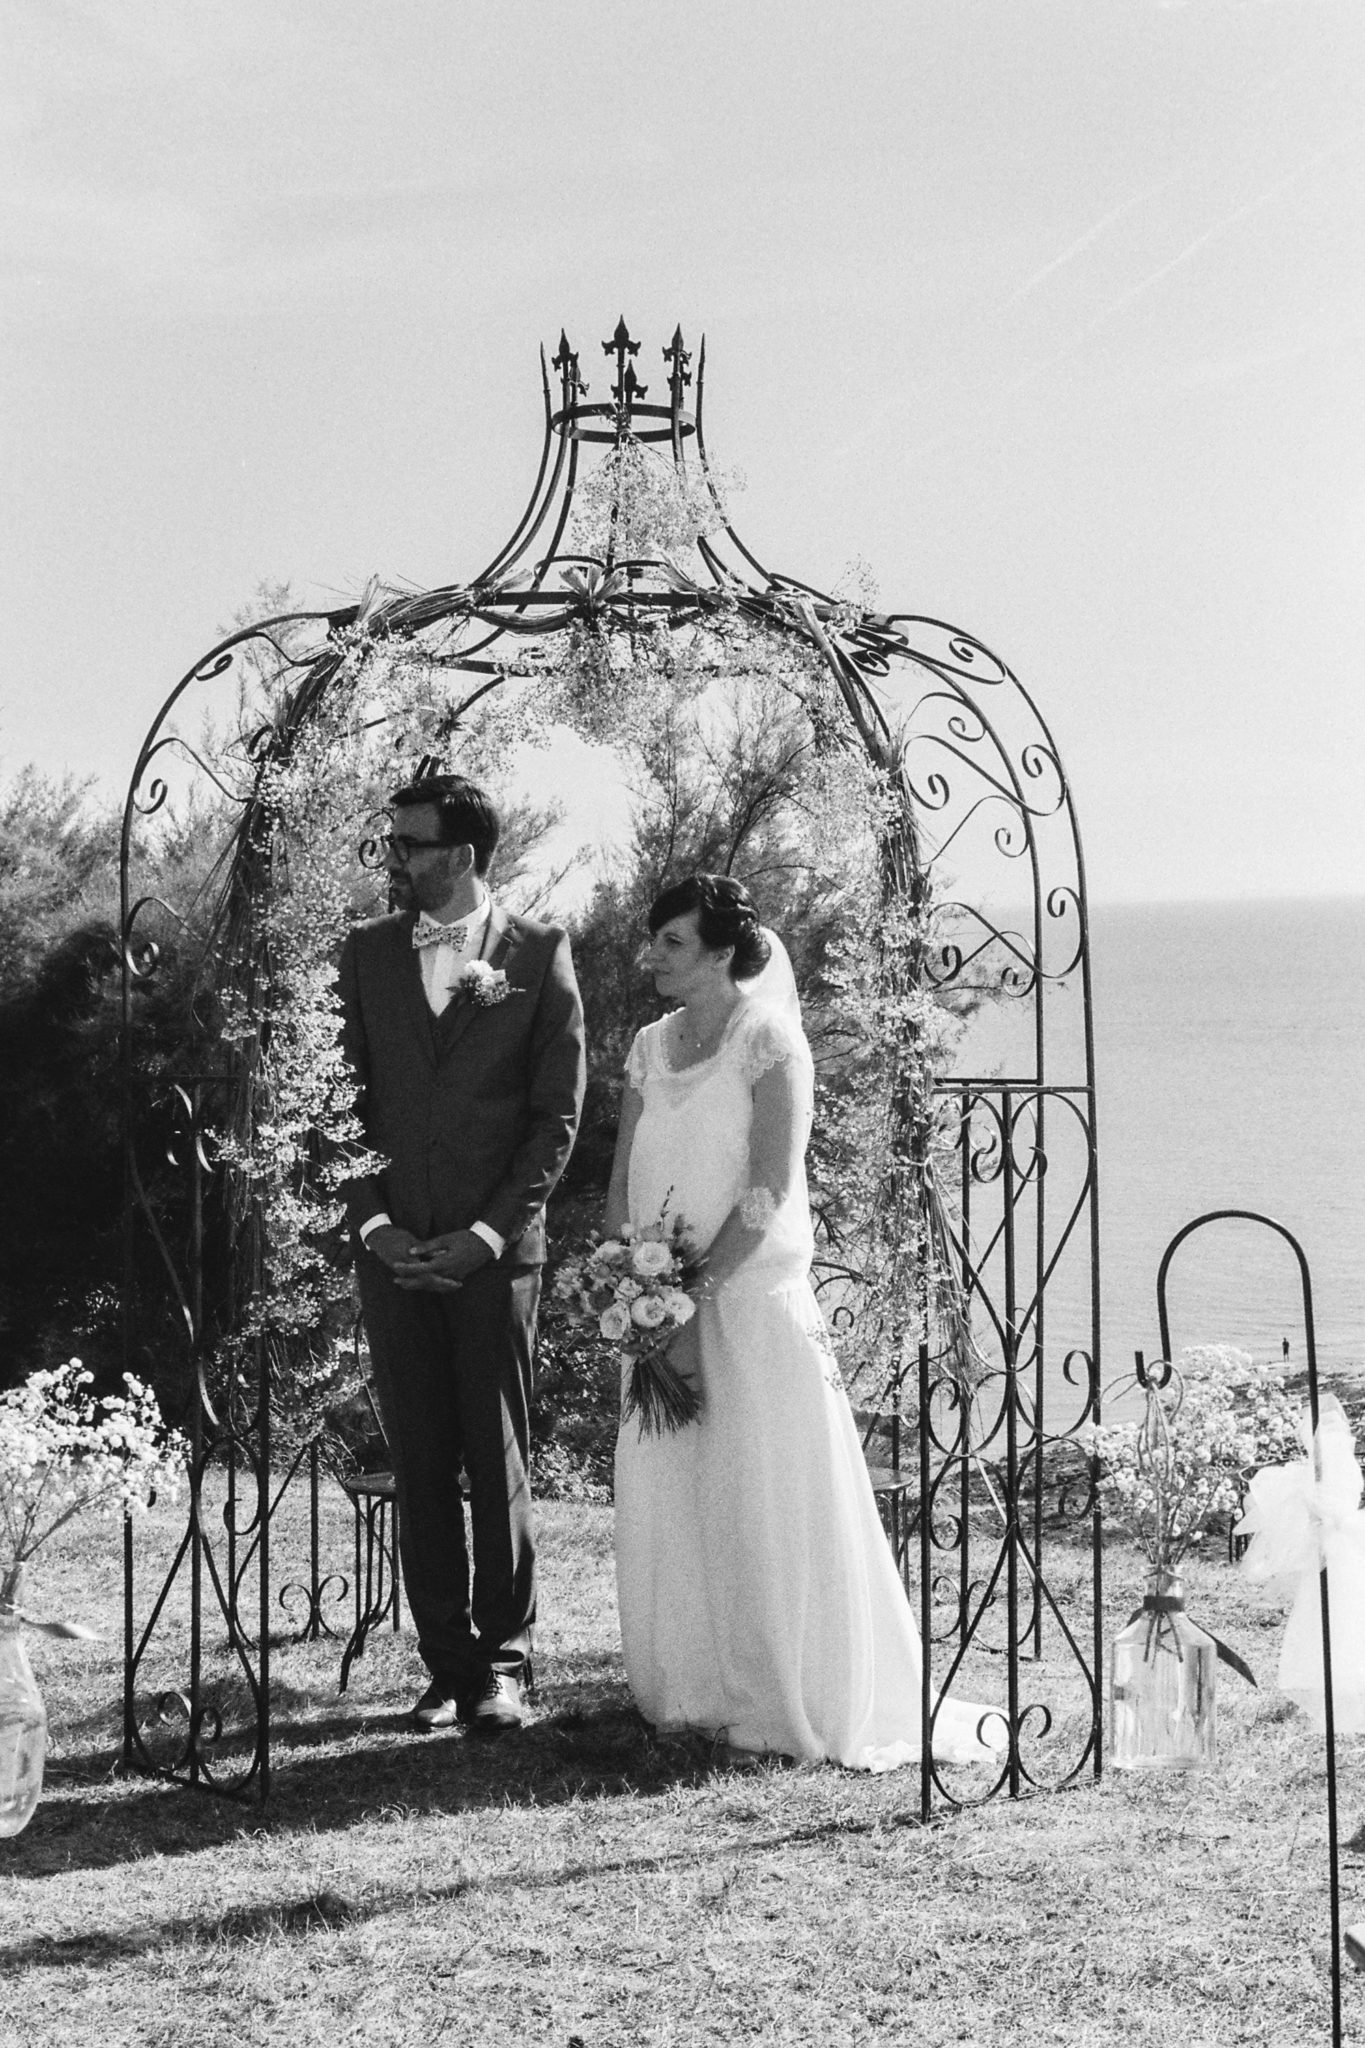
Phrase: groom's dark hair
[469,816]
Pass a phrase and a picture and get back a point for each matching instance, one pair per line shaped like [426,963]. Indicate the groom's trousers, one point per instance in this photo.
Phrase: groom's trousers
[453,1373]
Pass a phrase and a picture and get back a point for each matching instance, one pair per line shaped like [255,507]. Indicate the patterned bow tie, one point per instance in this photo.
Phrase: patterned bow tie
[426,932]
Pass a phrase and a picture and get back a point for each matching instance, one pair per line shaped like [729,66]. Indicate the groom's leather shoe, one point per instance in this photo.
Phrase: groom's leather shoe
[440,1706]
[497,1705]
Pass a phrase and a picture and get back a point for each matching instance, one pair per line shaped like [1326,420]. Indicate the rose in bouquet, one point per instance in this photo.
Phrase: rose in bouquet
[633,1292]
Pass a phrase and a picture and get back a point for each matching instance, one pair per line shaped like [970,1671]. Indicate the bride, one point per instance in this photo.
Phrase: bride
[759,1599]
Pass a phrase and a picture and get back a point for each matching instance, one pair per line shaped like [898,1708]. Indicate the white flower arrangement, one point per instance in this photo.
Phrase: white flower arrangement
[295,1135]
[63,1454]
[642,503]
[883,1154]
[627,1291]
[1186,1460]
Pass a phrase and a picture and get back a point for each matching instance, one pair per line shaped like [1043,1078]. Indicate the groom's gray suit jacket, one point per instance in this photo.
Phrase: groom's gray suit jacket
[475,1111]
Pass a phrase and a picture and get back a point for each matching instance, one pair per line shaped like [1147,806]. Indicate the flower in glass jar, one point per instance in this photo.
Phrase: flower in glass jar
[63,1453]
[1186,1460]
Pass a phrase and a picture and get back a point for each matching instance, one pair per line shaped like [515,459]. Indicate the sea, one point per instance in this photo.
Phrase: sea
[1230,1074]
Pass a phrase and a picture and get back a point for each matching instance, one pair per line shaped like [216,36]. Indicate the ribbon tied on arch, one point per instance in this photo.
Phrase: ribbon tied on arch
[1300,1518]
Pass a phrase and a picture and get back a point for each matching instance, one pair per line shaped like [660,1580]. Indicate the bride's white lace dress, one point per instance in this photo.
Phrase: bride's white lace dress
[758,1594]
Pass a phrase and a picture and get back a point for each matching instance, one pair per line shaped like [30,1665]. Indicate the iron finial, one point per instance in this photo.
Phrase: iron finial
[566,362]
[621,343]
[679,357]
[621,346]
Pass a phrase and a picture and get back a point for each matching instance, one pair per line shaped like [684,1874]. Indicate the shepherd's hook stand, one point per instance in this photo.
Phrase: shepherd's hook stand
[1328,1705]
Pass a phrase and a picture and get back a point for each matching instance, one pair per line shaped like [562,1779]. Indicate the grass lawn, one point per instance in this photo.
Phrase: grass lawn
[581,1883]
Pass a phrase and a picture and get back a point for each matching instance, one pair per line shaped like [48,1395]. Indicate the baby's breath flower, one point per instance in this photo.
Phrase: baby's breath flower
[1186,1461]
[63,1454]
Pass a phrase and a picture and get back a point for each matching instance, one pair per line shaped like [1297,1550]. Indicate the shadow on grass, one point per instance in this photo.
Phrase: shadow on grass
[92,1741]
[340,1771]
[328,1909]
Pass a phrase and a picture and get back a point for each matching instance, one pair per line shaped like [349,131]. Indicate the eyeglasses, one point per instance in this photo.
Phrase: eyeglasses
[402,848]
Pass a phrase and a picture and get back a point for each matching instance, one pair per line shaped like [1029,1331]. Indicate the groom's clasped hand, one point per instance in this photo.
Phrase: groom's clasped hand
[436,1265]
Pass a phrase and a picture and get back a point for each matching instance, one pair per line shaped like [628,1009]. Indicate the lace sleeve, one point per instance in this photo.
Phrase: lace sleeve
[757,1207]
[771,1041]
[637,1062]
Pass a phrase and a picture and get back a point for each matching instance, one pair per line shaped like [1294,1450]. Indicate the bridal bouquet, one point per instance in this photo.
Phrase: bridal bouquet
[631,1292]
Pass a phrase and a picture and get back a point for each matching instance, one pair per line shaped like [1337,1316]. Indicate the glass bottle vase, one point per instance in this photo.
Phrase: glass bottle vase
[23,1721]
[1162,1699]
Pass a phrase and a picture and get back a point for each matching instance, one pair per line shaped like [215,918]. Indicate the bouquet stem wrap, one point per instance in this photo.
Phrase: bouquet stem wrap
[658,1395]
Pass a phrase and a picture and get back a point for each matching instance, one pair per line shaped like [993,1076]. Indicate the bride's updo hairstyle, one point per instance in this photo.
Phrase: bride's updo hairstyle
[725,917]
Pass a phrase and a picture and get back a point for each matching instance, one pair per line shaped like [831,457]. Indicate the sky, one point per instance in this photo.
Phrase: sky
[1052,312]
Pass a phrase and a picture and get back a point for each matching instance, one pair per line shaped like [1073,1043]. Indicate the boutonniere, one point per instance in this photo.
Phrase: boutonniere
[484,985]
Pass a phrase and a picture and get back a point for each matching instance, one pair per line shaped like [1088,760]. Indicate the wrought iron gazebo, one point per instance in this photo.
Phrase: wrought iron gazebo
[979,1494]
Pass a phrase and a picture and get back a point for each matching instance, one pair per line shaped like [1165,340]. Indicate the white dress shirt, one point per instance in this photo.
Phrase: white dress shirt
[440,966]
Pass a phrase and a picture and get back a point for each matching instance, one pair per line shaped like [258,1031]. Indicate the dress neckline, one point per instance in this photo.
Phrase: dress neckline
[695,1066]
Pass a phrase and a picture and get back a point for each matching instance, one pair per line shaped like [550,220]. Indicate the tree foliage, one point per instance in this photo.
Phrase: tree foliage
[719,784]
[58,870]
[61,1162]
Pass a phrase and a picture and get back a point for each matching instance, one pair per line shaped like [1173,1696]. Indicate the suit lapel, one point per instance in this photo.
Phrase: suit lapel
[499,941]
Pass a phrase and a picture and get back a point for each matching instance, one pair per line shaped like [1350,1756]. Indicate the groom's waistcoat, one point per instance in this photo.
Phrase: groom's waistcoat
[475,1111]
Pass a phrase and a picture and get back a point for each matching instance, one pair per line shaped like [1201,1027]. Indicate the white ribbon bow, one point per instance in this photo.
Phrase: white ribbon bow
[1301,1517]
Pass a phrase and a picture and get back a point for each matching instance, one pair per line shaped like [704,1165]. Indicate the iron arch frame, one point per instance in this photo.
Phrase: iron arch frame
[1000,1470]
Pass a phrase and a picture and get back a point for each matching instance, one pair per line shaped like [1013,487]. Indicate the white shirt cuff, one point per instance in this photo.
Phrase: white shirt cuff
[497,1245]
[371,1224]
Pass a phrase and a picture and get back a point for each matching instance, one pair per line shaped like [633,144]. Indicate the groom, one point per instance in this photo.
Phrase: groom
[463,1025]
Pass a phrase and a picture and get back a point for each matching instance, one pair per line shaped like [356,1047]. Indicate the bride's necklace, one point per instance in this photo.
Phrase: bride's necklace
[699,1045]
